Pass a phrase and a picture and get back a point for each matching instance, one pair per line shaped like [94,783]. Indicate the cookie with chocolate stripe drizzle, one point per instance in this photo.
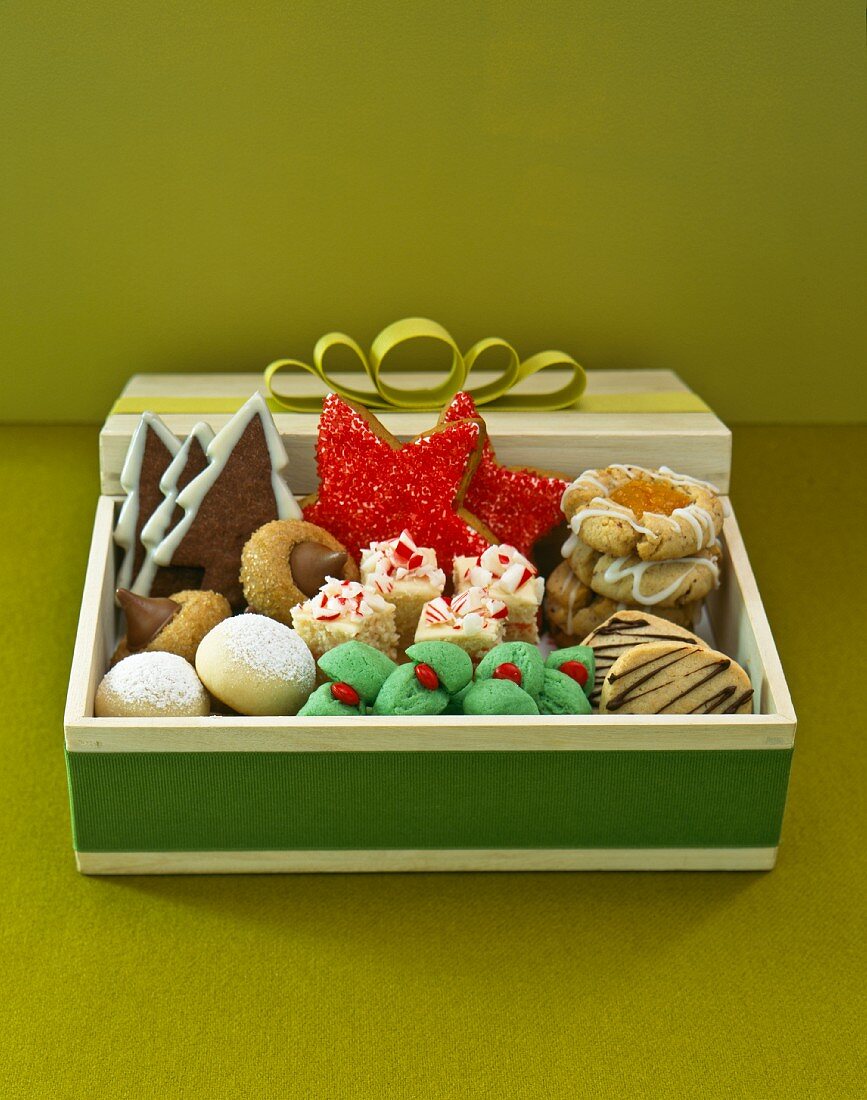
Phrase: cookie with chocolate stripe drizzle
[675,678]
[625,629]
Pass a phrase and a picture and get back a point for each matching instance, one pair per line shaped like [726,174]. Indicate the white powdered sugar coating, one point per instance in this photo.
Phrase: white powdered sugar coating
[265,646]
[164,681]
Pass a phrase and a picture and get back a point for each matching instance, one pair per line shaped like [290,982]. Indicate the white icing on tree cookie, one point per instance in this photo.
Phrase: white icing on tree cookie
[130,476]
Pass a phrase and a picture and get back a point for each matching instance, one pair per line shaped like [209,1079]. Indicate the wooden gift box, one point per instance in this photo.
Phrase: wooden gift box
[229,794]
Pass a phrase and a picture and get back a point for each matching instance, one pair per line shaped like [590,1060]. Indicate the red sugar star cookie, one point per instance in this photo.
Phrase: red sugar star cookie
[372,487]
[519,504]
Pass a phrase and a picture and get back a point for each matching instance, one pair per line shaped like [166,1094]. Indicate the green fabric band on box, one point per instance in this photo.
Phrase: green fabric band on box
[227,801]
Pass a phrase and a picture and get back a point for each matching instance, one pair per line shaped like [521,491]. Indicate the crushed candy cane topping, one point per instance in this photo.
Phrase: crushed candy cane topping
[502,569]
[401,559]
[469,611]
[338,599]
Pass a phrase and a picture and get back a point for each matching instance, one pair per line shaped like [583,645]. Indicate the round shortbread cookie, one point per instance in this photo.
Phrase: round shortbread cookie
[626,629]
[656,514]
[675,678]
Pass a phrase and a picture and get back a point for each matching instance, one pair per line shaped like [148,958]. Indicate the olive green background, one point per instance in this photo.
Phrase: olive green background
[207,186]
[430,987]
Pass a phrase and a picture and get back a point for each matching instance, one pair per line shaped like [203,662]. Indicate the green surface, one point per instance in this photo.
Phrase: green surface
[605,985]
[219,801]
[210,186]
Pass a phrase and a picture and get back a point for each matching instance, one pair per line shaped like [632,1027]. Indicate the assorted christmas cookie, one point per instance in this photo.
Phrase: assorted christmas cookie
[240,489]
[675,678]
[573,610]
[344,611]
[519,662]
[356,673]
[411,575]
[474,620]
[150,452]
[562,694]
[360,581]
[625,630]
[371,487]
[655,514]
[188,463]
[656,583]
[510,577]
[256,665]
[151,685]
[176,624]
[518,503]
[578,662]
[287,561]
[488,697]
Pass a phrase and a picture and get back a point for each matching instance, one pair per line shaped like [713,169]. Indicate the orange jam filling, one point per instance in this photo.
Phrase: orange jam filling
[649,496]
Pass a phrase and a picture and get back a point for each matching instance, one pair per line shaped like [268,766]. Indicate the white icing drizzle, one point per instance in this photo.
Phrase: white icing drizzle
[606,507]
[572,588]
[155,529]
[124,532]
[618,570]
[218,452]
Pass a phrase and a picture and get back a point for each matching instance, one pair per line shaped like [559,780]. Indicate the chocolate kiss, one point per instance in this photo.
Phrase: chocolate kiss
[311,563]
[145,617]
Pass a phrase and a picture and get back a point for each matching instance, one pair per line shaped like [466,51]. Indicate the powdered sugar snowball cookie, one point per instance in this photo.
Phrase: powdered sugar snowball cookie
[656,514]
[508,576]
[473,619]
[151,685]
[412,579]
[347,611]
[256,666]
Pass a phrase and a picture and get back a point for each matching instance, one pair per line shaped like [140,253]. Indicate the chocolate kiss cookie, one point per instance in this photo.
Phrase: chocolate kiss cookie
[286,561]
[175,625]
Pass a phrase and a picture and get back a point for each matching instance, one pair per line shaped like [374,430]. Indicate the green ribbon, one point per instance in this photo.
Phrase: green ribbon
[386,396]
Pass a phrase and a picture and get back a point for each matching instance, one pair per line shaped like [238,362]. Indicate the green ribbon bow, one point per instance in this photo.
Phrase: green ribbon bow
[385,396]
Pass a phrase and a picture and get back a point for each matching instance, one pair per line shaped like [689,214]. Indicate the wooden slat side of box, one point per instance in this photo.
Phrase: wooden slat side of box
[569,440]
[94,639]
[491,859]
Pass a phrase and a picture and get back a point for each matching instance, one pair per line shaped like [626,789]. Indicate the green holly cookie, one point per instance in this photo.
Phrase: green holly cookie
[360,665]
[456,702]
[573,656]
[561,694]
[323,704]
[404,693]
[519,662]
[452,665]
[498,697]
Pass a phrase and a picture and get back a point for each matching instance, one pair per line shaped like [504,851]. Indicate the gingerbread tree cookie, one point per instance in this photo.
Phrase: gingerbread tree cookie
[150,452]
[240,489]
[188,463]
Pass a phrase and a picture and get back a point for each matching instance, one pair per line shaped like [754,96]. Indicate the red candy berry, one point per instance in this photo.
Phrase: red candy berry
[576,670]
[345,693]
[508,671]
[427,677]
